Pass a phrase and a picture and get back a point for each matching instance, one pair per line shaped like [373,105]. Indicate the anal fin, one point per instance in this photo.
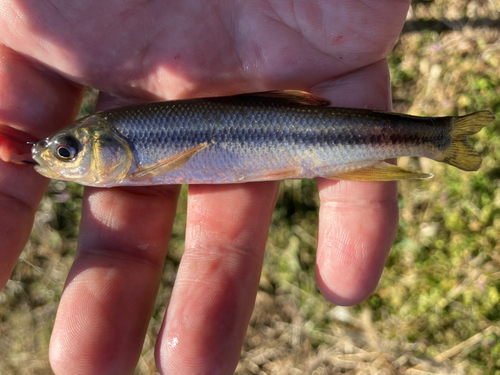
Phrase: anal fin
[380,171]
[168,165]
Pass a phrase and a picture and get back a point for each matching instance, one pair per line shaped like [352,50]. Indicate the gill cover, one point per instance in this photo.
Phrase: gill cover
[111,155]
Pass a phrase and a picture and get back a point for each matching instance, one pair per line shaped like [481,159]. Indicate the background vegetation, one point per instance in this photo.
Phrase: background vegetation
[436,310]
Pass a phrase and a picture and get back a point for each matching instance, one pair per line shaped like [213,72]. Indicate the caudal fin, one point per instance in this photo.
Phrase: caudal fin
[460,154]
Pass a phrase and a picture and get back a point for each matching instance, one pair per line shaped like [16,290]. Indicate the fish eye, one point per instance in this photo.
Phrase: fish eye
[66,148]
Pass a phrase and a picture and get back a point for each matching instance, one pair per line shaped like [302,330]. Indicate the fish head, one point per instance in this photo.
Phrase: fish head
[89,152]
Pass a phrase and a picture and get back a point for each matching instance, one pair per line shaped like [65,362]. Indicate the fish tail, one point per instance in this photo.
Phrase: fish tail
[460,154]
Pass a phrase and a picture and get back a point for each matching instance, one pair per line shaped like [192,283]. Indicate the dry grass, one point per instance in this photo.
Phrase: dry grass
[436,310]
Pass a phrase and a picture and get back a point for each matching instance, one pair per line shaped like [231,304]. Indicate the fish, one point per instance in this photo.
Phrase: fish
[264,136]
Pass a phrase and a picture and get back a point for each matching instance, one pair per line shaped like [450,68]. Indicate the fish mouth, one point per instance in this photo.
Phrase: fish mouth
[43,170]
[30,162]
[39,163]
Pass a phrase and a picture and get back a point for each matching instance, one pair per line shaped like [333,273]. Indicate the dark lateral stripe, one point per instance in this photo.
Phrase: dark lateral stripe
[270,136]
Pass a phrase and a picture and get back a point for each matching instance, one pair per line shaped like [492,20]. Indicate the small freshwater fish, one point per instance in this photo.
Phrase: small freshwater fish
[251,137]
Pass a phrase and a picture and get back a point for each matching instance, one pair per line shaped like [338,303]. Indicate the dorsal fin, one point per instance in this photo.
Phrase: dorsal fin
[294,96]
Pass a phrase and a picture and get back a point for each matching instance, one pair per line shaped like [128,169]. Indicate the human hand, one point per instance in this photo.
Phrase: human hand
[135,51]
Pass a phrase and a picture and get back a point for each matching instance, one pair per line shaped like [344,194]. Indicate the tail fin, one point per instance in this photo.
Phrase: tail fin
[460,154]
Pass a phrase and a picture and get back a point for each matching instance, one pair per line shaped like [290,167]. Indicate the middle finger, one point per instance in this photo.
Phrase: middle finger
[217,281]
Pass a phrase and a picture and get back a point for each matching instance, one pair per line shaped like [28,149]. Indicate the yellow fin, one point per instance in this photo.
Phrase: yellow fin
[380,171]
[294,96]
[460,154]
[170,164]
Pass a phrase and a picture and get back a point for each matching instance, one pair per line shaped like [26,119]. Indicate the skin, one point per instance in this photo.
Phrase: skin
[136,51]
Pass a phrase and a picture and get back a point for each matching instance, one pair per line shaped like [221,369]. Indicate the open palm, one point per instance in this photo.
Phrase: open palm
[136,51]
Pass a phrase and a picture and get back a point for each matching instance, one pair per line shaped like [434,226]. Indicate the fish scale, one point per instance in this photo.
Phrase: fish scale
[279,132]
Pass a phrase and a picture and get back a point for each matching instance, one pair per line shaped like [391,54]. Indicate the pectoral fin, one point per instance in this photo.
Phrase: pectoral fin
[380,171]
[168,165]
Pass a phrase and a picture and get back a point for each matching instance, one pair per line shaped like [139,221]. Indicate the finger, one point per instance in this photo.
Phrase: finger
[217,281]
[358,220]
[109,296]
[33,103]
